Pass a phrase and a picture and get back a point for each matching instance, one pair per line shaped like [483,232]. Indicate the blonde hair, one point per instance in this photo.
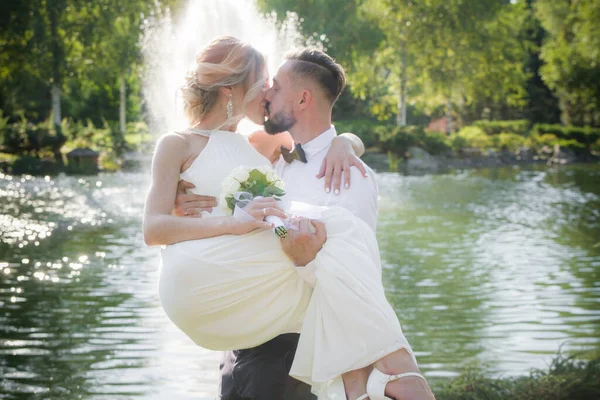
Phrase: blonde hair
[224,62]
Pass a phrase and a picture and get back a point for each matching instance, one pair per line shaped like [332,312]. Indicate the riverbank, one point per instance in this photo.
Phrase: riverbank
[565,379]
[418,162]
[411,150]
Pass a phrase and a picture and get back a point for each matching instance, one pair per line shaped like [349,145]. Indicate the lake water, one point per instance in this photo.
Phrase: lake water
[499,267]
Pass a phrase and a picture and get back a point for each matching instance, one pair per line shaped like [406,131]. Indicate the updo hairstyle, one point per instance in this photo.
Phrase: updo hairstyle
[224,62]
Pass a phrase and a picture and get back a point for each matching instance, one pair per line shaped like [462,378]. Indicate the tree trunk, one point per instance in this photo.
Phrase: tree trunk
[56,109]
[57,58]
[123,105]
[401,116]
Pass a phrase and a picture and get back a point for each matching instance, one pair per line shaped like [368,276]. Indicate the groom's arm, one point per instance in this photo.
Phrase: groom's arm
[189,204]
[302,246]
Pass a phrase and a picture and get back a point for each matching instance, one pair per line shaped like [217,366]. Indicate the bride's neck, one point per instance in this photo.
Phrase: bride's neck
[213,121]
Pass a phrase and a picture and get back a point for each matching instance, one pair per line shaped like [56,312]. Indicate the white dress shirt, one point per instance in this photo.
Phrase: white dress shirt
[301,184]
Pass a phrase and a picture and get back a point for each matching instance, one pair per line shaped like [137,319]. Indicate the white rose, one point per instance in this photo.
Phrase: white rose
[237,170]
[243,175]
[264,169]
[233,188]
[270,175]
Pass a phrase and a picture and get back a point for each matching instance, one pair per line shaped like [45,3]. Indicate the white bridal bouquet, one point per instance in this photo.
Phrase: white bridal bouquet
[245,184]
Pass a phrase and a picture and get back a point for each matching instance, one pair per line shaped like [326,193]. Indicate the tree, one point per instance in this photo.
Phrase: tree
[344,29]
[571,53]
[449,53]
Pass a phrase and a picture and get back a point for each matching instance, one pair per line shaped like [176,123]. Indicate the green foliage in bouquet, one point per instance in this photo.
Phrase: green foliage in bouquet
[257,185]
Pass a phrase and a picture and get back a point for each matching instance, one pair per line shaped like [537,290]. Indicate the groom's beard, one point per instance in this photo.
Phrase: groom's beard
[279,122]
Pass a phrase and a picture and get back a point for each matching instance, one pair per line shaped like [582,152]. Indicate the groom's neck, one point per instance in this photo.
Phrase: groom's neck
[306,129]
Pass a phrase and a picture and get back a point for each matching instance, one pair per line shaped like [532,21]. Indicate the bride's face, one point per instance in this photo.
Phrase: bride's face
[255,109]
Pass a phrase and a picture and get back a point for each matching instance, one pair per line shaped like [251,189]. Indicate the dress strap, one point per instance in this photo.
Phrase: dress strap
[201,132]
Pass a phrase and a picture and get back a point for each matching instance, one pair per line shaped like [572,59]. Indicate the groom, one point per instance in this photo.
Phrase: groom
[305,88]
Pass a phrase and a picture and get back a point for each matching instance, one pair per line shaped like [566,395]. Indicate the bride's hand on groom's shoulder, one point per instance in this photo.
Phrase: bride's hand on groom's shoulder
[189,204]
[336,165]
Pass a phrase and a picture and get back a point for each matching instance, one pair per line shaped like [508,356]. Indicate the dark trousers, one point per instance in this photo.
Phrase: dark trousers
[262,373]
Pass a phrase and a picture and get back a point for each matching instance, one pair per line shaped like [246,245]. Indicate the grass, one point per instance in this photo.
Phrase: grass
[565,379]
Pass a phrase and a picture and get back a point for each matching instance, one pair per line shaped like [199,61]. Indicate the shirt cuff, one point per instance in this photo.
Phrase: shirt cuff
[307,273]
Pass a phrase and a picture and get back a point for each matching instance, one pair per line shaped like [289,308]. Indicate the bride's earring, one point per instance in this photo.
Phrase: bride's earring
[229,108]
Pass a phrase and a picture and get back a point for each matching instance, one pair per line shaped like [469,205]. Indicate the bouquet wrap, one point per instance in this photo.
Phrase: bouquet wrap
[245,184]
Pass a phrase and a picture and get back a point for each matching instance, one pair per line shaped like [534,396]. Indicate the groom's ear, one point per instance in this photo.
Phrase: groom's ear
[305,99]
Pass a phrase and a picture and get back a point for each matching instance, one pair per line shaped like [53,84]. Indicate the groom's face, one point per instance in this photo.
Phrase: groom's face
[279,102]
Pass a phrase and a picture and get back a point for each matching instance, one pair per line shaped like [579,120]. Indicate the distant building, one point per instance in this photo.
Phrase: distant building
[438,125]
[83,160]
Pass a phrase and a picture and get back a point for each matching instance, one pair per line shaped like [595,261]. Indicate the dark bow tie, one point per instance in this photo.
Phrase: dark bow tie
[296,154]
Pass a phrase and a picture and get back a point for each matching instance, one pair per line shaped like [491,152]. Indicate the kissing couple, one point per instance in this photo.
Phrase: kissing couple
[306,312]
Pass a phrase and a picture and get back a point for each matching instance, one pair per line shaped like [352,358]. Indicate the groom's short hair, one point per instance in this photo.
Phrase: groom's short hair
[314,64]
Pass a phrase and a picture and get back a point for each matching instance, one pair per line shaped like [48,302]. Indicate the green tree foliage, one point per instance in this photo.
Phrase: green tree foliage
[451,54]
[468,59]
[412,60]
[83,51]
[571,52]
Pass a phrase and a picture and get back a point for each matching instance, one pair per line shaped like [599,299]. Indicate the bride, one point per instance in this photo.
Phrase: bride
[228,284]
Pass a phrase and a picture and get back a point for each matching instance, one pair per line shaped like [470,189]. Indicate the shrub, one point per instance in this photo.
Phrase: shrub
[435,143]
[26,138]
[572,145]
[398,139]
[566,379]
[473,137]
[458,142]
[536,141]
[138,137]
[33,166]
[3,121]
[508,141]
[110,162]
[518,127]
[363,128]
[584,135]
[596,147]
[137,128]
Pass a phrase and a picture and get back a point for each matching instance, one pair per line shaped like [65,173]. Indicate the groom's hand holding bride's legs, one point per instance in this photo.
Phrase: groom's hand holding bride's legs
[302,245]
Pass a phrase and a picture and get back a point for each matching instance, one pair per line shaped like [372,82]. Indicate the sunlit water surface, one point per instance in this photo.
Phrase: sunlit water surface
[495,266]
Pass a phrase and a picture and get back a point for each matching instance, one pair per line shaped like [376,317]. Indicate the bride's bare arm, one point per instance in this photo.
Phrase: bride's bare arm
[344,153]
[162,228]
[357,144]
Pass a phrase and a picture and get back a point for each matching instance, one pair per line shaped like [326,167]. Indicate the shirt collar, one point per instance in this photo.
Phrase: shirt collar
[319,143]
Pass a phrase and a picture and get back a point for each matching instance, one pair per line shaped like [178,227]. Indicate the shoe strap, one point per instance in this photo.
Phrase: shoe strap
[404,375]
[363,397]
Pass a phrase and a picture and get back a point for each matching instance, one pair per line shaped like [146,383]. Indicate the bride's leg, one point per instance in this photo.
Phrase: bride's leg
[407,388]
[355,382]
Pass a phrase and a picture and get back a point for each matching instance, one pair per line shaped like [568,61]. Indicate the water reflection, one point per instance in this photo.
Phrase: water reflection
[79,316]
[492,265]
[498,265]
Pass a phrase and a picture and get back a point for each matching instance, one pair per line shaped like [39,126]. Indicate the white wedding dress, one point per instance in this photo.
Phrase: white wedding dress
[235,292]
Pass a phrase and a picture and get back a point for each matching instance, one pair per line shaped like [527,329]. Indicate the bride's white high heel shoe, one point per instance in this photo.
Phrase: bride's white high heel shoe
[378,380]
[336,391]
